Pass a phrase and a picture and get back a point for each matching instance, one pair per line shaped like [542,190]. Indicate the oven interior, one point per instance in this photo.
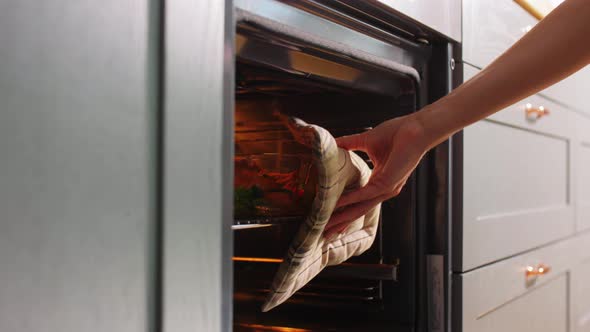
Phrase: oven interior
[273,189]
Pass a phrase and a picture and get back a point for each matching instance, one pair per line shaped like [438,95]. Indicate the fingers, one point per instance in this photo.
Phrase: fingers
[368,192]
[341,219]
[376,187]
[397,190]
[352,142]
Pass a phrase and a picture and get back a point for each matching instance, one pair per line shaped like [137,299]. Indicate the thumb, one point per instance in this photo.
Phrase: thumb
[352,142]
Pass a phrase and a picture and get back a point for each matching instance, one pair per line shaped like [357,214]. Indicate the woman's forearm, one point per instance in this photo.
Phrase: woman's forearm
[554,49]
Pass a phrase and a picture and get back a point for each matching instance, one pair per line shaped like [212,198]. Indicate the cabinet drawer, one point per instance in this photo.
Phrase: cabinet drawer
[515,192]
[542,309]
[516,184]
[491,27]
[557,120]
[492,296]
[573,91]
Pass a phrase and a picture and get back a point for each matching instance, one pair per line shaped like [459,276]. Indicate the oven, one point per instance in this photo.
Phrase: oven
[346,67]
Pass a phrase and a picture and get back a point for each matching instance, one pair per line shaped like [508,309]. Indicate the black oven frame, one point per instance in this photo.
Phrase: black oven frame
[433,56]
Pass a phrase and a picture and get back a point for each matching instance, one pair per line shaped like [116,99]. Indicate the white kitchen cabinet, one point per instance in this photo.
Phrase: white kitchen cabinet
[580,294]
[572,91]
[516,183]
[500,296]
[558,120]
[443,16]
[491,27]
[543,309]
[526,196]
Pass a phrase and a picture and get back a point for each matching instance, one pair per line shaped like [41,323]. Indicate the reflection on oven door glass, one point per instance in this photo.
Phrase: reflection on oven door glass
[274,175]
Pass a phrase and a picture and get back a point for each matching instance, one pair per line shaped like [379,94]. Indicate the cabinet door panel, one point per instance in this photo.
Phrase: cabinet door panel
[76,147]
[541,310]
[572,91]
[516,191]
[517,182]
[502,297]
[490,28]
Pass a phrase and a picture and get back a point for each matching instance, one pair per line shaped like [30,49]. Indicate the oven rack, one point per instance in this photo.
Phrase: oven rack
[256,222]
[360,271]
[346,286]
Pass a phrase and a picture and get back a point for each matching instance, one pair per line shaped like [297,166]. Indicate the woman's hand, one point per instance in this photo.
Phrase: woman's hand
[395,147]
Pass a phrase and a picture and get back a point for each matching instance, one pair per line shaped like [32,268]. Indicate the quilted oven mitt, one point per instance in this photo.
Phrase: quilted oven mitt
[338,171]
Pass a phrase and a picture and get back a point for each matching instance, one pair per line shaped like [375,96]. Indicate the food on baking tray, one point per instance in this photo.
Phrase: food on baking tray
[263,189]
[246,200]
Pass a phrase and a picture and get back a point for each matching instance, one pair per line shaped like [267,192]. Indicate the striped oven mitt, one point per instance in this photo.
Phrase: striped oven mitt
[338,170]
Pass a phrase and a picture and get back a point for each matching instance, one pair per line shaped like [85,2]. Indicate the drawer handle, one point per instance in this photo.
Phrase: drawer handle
[540,270]
[534,113]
